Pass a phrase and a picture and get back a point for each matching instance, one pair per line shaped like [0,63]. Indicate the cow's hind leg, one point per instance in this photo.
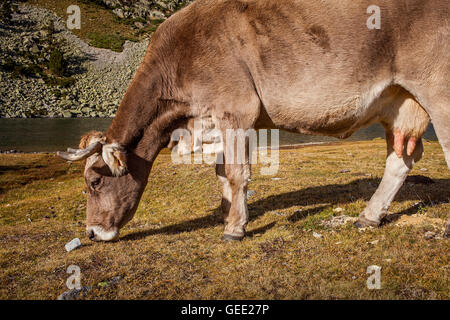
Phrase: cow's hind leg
[441,123]
[396,171]
[405,122]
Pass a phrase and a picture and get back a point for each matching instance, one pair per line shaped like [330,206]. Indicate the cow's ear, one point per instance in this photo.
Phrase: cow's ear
[115,157]
[90,138]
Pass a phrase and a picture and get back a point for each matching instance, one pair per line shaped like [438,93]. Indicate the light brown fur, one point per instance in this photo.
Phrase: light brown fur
[305,66]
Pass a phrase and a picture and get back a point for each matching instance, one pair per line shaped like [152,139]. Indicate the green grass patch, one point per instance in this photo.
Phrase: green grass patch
[108,41]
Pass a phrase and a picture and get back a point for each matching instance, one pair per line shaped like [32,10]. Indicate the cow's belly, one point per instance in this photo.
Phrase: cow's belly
[392,106]
[339,120]
[327,112]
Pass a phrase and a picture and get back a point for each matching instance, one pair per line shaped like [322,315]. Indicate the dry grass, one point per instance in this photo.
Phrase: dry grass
[172,248]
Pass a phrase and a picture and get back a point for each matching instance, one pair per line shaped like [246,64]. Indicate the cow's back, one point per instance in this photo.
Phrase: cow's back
[313,63]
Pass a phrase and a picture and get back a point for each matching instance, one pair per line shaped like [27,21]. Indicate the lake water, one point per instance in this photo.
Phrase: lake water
[39,135]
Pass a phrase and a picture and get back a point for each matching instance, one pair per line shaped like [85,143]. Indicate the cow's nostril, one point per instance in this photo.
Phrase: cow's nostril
[90,234]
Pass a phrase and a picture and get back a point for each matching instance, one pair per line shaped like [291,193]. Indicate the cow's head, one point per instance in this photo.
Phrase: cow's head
[114,180]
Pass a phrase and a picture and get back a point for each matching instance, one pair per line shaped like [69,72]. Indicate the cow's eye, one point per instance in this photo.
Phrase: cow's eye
[95,183]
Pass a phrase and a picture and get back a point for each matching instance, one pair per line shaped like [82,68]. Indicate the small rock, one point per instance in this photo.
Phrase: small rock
[73,294]
[374,242]
[155,14]
[250,193]
[67,114]
[344,171]
[338,221]
[115,280]
[139,25]
[424,169]
[119,12]
[276,179]
[34,49]
[44,33]
[429,235]
[364,229]
[72,245]
[317,235]
[338,210]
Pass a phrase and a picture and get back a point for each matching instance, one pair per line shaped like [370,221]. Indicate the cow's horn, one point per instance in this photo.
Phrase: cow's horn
[81,154]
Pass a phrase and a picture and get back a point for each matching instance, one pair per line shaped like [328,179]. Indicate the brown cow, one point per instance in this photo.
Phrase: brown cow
[304,66]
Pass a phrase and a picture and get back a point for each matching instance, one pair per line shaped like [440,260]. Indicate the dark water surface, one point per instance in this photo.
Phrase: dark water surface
[39,135]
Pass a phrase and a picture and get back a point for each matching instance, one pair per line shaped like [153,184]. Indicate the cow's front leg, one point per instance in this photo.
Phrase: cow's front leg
[226,190]
[236,218]
[396,171]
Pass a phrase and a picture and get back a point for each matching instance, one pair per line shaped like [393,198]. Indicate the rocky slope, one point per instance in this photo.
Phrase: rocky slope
[95,80]
[146,9]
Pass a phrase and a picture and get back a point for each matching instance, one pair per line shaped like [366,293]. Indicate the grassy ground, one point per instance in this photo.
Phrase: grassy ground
[172,248]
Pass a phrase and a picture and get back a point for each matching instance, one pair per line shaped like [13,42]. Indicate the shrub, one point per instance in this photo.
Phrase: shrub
[5,11]
[50,27]
[56,63]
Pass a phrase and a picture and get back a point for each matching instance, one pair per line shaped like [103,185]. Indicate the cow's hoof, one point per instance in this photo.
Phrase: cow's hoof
[447,231]
[363,223]
[229,238]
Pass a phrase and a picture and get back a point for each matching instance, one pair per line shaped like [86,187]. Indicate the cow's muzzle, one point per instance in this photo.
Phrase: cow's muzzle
[97,233]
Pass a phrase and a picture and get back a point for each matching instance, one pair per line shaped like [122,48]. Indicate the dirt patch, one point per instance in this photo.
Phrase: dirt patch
[418,220]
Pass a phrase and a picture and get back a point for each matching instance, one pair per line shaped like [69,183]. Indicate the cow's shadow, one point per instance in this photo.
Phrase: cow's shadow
[325,196]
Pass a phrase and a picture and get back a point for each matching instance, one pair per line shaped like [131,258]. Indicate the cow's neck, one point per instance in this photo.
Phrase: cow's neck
[157,134]
[138,108]
[146,118]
